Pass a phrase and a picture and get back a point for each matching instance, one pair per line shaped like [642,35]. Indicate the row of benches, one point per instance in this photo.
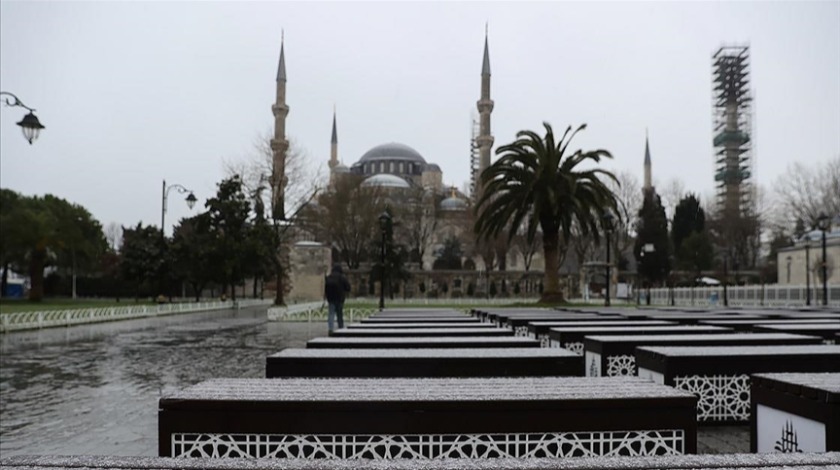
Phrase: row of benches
[476,387]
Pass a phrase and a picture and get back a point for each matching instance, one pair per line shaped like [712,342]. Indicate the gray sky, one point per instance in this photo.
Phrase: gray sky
[132,93]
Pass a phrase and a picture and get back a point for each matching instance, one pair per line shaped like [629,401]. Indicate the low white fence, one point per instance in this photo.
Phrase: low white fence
[17,321]
[317,311]
[773,295]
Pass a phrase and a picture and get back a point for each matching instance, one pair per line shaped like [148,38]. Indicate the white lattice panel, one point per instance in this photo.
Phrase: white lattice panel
[719,397]
[431,446]
[521,331]
[575,347]
[545,341]
[621,365]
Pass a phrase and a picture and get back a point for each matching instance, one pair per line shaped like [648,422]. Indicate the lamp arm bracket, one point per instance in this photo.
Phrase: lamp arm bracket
[17,102]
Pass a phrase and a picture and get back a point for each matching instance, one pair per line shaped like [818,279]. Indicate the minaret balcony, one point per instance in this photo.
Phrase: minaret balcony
[280,110]
[485,106]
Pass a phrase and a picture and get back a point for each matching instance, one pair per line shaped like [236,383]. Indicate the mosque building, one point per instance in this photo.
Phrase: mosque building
[407,178]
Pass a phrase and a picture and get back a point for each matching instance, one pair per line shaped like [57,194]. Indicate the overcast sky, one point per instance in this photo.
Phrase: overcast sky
[133,93]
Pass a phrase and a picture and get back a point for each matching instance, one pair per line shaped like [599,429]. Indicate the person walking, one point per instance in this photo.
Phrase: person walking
[336,289]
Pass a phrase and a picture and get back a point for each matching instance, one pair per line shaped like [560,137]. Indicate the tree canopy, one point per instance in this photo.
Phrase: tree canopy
[535,183]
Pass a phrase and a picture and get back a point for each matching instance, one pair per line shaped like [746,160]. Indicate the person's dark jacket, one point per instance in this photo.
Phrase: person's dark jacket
[336,286]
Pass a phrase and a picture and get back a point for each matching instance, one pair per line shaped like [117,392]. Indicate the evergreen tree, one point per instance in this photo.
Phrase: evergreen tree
[652,230]
[689,217]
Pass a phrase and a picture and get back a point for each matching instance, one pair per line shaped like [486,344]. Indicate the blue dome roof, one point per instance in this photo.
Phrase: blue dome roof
[453,204]
[393,151]
[386,180]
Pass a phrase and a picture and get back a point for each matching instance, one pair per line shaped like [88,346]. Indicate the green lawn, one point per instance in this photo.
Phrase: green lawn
[18,305]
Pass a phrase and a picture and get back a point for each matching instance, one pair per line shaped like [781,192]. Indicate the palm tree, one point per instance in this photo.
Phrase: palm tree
[535,183]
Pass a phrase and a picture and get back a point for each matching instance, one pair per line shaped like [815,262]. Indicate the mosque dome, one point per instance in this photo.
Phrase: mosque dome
[341,168]
[386,180]
[433,167]
[393,151]
[453,203]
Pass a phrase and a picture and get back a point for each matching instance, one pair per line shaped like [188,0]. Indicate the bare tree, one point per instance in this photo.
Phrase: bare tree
[528,250]
[113,235]
[347,217]
[803,193]
[418,222]
[629,195]
[671,194]
[301,185]
[303,178]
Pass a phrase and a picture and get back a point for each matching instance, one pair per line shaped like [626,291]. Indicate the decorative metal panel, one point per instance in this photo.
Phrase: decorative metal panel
[720,397]
[620,365]
[431,446]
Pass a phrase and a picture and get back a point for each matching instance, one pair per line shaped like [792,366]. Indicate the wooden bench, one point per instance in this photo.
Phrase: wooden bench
[425,342]
[670,462]
[826,331]
[417,332]
[427,418]
[720,375]
[571,338]
[615,355]
[795,412]
[539,329]
[472,362]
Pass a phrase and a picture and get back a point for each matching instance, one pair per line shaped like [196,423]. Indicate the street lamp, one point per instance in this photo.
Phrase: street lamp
[30,124]
[824,223]
[191,200]
[807,238]
[384,223]
[608,228]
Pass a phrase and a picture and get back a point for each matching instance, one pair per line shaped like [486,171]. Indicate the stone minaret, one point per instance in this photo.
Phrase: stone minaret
[334,145]
[648,185]
[279,144]
[484,141]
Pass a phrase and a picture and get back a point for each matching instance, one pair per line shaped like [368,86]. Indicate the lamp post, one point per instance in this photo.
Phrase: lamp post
[608,228]
[807,238]
[648,248]
[725,279]
[190,203]
[823,222]
[30,124]
[384,223]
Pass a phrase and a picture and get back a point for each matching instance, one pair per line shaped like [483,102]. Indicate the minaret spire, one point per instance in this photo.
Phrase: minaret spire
[648,185]
[485,66]
[279,144]
[484,141]
[334,145]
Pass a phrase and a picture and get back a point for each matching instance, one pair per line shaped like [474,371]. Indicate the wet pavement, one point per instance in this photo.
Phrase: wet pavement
[94,389]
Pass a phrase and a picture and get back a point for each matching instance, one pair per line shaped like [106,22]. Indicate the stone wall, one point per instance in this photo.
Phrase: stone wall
[309,263]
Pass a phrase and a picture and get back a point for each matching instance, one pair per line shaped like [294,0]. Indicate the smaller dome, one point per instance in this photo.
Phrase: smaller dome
[432,167]
[453,204]
[386,180]
[341,168]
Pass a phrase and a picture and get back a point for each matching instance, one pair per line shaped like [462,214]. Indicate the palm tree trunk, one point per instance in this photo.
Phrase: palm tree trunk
[551,292]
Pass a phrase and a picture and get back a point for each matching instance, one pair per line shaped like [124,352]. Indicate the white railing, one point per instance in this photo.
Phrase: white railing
[410,302]
[17,321]
[317,311]
[773,295]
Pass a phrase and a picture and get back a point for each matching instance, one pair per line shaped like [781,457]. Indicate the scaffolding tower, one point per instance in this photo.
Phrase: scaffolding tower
[475,158]
[732,111]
